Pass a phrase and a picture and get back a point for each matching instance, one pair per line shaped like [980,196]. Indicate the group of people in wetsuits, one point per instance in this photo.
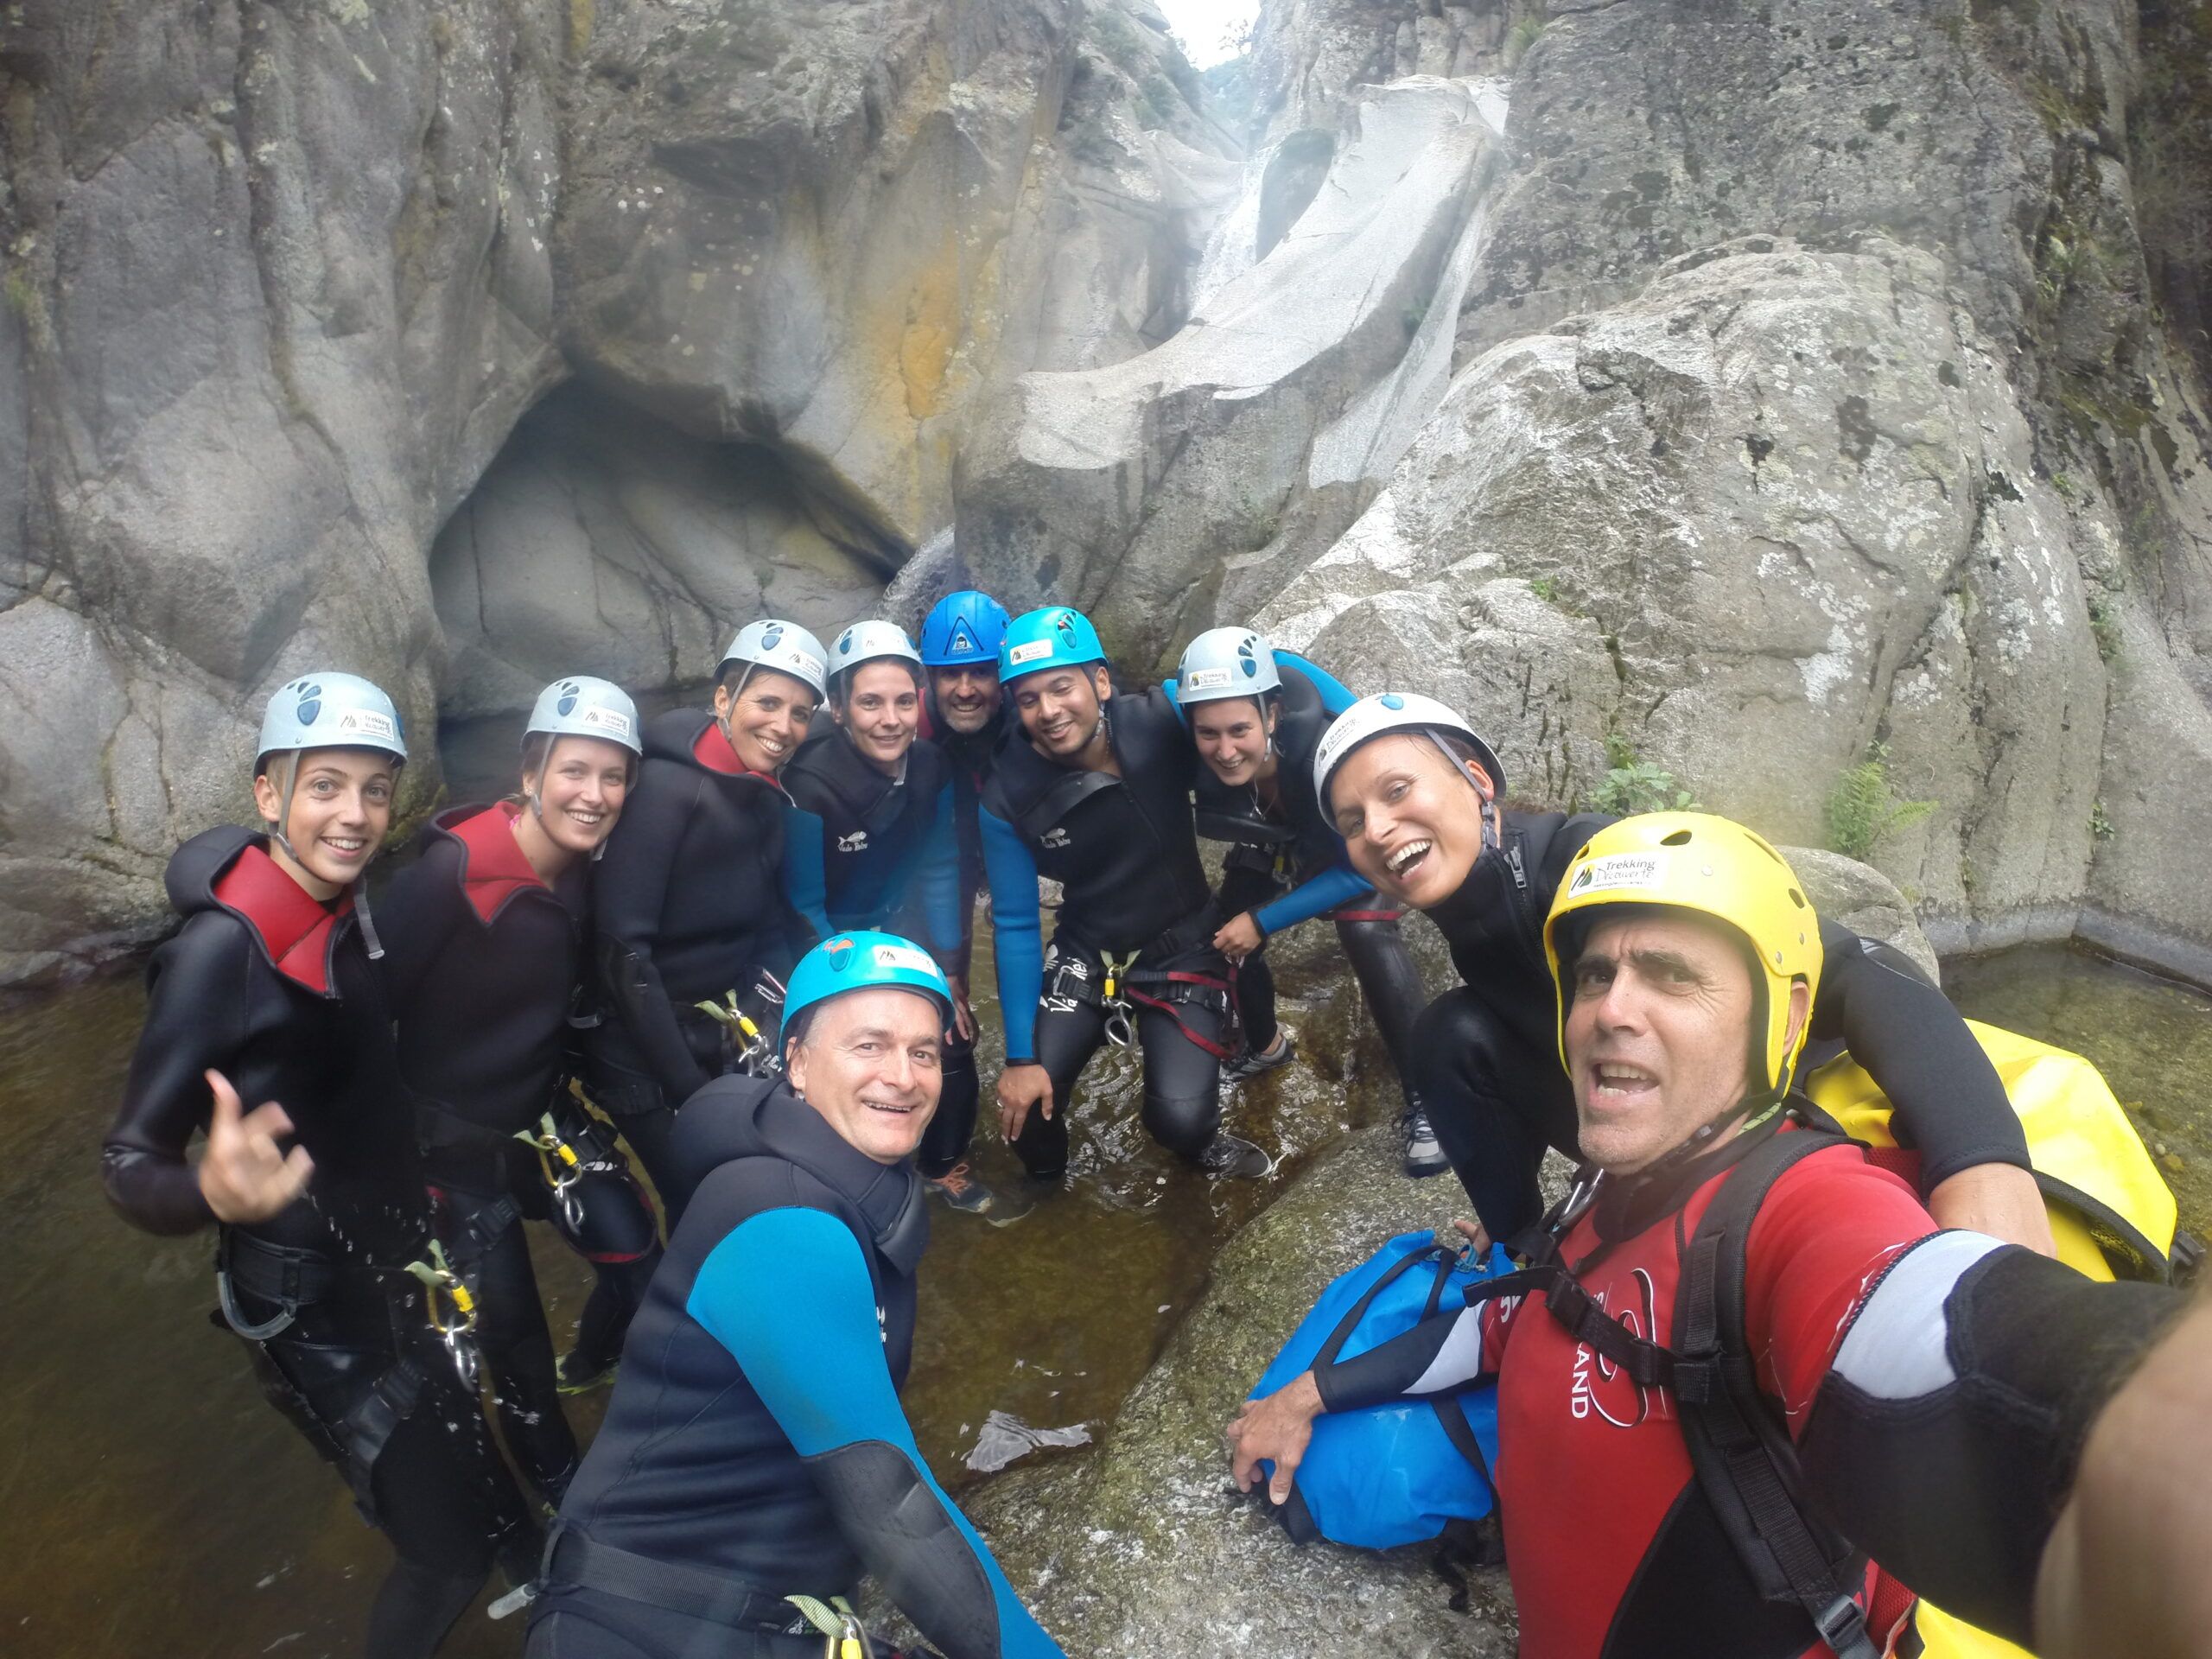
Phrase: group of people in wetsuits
[742,934]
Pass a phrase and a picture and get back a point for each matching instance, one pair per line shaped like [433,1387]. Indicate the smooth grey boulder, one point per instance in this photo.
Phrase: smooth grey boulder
[1777,506]
[603,541]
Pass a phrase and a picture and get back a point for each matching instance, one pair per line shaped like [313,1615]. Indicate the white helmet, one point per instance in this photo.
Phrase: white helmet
[865,642]
[584,707]
[331,711]
[1226,663]
[1397,711]
[784,646]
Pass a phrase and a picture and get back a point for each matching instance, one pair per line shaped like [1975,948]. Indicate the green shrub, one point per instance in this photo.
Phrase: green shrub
[1864,806]
[1632,785]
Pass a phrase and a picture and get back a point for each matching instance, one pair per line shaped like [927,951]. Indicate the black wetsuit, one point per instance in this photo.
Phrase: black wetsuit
[1490,1066]
[1127,857]
[484,961]
[688,905]
[755,1448]
[1288,865]
[274,990]
[868,851]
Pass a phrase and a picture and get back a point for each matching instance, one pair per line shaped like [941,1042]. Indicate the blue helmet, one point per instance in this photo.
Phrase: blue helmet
[1058,636]
[964,628]
[860,960]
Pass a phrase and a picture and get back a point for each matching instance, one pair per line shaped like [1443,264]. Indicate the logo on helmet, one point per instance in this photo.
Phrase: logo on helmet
[840,952]
[1064,625]
[569,692]
[310,704]
[845,643]
[772,636]
[962,639]
[1620,870]
[1391,700]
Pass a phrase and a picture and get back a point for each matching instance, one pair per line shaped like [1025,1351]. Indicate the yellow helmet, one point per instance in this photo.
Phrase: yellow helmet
[1693,861]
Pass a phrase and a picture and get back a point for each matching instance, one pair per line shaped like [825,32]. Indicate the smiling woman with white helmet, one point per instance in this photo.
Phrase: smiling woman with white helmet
[486,963]
[1256,715]
[266,995]
[689,900]
[1419,797]
[873,845]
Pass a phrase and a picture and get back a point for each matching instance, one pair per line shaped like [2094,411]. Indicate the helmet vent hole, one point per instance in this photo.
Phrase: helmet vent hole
[1679,838]
[1797,898]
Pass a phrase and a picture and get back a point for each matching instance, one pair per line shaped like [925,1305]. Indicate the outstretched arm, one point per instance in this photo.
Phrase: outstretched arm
[1950,1102]
[1337,885]
[787,1293]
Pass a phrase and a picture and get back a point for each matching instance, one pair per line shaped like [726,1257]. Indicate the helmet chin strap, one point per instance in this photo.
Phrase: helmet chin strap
[722,720]
[1487,797]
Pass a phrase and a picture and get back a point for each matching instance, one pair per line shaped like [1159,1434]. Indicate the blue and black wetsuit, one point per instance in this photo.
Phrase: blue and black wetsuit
[1488,1050]
[865,850]
[272,987]
[484,961]
[755,1448]
[1126,854]
[1289,865]
[688,905]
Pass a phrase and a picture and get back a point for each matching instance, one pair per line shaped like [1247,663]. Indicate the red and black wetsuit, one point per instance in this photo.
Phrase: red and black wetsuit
[1915,1370]
[484,960]
[272,987]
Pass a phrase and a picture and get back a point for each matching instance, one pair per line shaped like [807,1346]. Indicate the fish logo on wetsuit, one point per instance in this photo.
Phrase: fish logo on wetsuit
[1594,1375]
[856,843]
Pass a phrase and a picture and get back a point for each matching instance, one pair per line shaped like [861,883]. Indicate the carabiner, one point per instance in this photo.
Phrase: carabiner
[458,1333]
[546,1138]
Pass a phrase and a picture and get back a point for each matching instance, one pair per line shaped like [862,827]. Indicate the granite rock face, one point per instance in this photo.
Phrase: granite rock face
[277,284]
[1779,505]
[282,281]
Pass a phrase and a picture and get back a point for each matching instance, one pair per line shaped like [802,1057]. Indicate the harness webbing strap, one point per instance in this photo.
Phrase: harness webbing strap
[1746,1465]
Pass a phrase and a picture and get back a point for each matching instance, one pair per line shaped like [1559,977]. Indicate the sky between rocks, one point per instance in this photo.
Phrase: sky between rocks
[1210,30]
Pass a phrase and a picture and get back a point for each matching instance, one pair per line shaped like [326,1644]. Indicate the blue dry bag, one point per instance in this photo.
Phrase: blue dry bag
[1392,1474]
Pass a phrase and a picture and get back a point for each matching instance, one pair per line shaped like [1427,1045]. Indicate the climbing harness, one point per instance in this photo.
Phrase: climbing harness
[837,1621]
[1069,987]
[749,1050]
[456,1326]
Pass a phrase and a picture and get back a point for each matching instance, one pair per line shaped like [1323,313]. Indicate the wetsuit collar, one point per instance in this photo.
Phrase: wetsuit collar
[712,750]
[737,1116]
[494,868]
[1627,1206]
[296,931]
